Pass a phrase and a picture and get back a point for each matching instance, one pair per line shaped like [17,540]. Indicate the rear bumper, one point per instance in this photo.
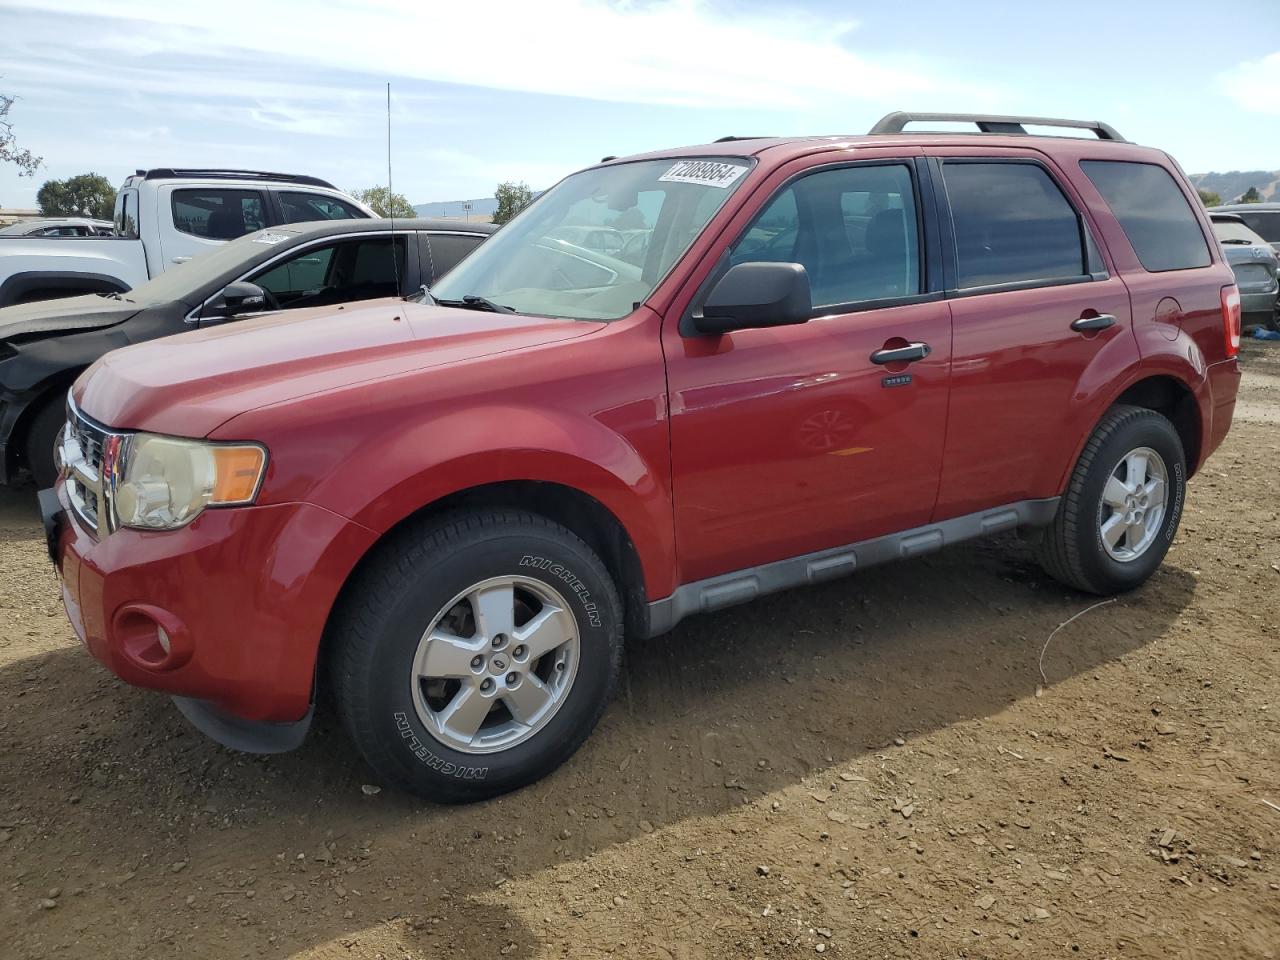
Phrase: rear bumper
[242,596]
[1223,379]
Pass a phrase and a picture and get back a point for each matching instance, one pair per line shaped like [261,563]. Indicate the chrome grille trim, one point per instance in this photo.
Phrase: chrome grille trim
[80,455]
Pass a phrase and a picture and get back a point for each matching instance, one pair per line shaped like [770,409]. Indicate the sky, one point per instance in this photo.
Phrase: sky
[490,90]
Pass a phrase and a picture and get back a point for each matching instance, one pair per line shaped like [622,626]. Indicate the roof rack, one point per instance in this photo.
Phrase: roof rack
[994,123]
[171,173]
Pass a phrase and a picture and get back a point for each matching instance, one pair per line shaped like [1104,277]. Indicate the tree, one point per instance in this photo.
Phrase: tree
[86,195]
[512,198]
[1209,198]
[385,203]
[1251,196]
[26,161]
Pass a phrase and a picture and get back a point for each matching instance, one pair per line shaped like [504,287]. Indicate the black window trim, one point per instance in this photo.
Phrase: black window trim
[263,196]
[1210,239]
[1090,251]
[927,233]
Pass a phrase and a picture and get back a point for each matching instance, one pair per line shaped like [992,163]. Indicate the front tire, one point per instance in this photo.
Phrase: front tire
[476,653]
[41,437]
[1122,505]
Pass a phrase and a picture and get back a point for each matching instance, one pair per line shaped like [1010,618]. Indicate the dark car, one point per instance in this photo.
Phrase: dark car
[45,346]
[1254,263]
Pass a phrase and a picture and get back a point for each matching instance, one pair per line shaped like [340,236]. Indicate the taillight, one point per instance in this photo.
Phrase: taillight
[1231,318]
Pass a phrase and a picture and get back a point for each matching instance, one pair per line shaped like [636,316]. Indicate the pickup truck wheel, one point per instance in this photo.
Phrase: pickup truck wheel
[41,436]
[1122,506]
[476,653]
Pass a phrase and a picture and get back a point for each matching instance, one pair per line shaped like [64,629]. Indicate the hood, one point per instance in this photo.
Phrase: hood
[70,313]
[189,384]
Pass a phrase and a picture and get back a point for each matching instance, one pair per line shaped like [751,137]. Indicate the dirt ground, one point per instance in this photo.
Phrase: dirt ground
[862,769]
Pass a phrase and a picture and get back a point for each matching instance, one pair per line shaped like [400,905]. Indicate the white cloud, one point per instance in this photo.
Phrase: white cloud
[1254,85]
[671,52]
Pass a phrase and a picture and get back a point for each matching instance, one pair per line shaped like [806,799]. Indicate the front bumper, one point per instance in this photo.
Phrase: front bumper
[241,594]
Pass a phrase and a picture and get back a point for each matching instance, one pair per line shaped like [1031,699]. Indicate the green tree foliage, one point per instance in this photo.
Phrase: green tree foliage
[26,161]
[384,202]
[1251,196]
[86,195]
[1209,198]
[512,198]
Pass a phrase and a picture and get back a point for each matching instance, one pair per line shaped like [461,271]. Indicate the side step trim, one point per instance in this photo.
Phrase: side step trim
[741,586]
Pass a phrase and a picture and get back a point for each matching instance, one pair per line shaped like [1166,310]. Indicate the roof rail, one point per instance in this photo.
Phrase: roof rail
[994,123]
[732,139]
[172,173]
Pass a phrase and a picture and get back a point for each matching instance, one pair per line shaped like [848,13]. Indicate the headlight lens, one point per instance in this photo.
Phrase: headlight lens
[166,482]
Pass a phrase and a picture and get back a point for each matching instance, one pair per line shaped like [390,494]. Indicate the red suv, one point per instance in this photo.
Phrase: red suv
[828,352]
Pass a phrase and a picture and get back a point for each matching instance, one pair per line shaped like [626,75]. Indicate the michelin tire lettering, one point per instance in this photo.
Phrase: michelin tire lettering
[439,764]
[570,579]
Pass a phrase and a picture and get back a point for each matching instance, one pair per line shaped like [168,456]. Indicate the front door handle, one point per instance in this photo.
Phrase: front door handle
[1100,322]
[908,354]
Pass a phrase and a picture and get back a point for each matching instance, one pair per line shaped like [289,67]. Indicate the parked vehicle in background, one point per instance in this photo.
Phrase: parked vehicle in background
[60,227]
[1262,218]
[45,346]
[837,351]
[1253,261]
[162,218]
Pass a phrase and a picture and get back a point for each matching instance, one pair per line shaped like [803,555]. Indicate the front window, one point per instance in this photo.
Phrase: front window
[595,246]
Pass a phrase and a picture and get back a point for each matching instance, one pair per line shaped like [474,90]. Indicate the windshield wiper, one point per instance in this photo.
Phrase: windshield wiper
[473,302]
[1235,241]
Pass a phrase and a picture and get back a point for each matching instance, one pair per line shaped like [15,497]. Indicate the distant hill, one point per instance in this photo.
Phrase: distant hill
[482,208]
[1231,185]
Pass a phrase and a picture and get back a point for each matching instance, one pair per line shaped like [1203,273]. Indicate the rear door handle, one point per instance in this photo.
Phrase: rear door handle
[907,354]
[1100,322]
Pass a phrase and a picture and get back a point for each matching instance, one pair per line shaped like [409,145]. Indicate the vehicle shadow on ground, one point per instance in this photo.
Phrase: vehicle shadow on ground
[726,708]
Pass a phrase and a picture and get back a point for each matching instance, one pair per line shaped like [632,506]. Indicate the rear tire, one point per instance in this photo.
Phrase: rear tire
[41,437]
[441,695]
[1112,530]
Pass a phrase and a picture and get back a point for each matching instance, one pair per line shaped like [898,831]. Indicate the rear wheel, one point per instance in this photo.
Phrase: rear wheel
[1122,506]
[476,653]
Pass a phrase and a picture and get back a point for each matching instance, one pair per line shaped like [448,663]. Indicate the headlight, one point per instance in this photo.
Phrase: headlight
[163,483]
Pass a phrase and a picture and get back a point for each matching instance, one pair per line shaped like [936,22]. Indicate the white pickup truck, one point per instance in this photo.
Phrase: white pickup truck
[162,218]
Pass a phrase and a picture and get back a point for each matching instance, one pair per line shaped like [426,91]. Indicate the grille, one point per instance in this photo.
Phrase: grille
[82,447]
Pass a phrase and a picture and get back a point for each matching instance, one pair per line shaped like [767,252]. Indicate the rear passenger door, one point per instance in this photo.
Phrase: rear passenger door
[1033,308]
[195,219]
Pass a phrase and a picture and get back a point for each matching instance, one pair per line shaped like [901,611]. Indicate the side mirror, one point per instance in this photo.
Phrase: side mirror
[240,296]
[754,295]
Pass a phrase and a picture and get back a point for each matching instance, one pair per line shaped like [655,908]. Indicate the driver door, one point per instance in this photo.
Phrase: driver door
[790,440]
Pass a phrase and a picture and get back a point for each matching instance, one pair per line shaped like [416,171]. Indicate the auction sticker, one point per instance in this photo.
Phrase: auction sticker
[707,173]
[272,238]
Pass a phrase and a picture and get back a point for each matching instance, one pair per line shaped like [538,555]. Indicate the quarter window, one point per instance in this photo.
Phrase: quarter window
[1153,212]
[1012,225]
[854,229]
[218,214]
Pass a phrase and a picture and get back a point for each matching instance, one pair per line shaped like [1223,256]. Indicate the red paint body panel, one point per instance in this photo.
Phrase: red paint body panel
[713,453]
[251,588]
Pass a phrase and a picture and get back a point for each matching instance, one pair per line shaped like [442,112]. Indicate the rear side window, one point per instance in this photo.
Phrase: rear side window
[1153,212]
[1012,225]
[218,214]
[305,207]
[446,250]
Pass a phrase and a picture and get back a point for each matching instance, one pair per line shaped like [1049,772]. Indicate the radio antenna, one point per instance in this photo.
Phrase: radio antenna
[391,205]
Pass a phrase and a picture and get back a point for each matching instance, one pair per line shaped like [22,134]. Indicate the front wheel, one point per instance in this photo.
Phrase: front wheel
[1122,506]
[476,653]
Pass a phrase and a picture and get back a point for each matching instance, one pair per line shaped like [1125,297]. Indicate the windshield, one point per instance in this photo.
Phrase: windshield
[182,281]
[595,245]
